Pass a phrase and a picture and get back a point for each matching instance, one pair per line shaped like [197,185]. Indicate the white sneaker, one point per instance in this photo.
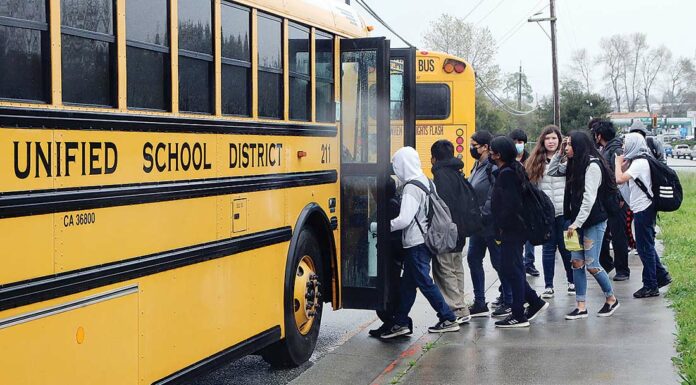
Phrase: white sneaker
[463,320]
[548,293]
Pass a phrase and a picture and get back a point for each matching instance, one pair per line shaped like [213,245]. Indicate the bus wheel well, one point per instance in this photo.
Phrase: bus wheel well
[314,218]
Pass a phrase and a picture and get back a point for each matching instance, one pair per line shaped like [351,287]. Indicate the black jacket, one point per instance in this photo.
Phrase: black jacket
[573,201]
[482,179]
[506,205]
[613,147]
[449,183]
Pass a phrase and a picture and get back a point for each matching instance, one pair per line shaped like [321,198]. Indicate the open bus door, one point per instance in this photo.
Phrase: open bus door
[373,112]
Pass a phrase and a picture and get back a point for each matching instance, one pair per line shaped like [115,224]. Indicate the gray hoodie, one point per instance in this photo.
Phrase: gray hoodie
[407,167]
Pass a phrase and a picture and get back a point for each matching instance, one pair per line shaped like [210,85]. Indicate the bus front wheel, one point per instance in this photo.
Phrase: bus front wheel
[302,305]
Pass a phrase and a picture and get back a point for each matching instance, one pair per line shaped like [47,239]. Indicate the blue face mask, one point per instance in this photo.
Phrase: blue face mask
[519,147]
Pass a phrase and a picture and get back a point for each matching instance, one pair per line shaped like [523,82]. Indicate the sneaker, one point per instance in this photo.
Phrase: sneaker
[497,301]
[576,314]
[479,310]
[531,270]
[548,293]
[503,310]
[534,310]
[664,282]
[644,292]
[571,289]
[379,331]
[394,331]
[444,327]
[607,310]
[621,277]
[463,320]
[512,322]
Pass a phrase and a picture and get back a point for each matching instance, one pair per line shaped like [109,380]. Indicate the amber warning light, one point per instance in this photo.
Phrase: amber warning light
[452,65]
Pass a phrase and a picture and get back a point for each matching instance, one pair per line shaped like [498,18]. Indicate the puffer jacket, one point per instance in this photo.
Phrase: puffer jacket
[554,188]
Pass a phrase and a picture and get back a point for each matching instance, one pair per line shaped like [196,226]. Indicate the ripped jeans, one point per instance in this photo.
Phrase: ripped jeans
[591,239]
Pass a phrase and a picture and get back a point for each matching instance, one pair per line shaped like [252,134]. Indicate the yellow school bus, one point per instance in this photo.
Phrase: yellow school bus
[183,182]
[445,105]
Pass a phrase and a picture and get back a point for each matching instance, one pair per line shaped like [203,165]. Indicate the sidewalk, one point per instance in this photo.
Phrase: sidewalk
[635,346]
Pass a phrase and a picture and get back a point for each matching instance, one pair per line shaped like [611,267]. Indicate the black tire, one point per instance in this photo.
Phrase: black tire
[296,348]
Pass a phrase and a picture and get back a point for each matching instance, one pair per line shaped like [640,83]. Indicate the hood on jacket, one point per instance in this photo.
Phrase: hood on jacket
[452,163]
[407,164]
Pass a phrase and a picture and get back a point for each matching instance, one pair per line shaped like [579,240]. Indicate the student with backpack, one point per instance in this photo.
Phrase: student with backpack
[507,205]
[412,219]
[554,187]
[634,168]
[587,182]
[482,179]
[457,193]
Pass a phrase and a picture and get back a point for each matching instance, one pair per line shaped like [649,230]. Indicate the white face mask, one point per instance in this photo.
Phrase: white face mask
[519,147]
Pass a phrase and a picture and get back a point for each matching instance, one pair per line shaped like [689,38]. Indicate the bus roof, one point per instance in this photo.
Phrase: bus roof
[330,15]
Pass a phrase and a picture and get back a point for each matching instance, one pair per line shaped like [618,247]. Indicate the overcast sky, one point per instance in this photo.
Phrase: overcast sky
[581,24]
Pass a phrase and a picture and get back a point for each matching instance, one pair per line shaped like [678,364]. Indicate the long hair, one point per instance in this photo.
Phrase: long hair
[583,150]
[508,154]
[536,163]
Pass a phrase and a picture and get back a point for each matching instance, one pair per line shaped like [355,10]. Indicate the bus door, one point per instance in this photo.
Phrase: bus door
[402,98]
[372,114]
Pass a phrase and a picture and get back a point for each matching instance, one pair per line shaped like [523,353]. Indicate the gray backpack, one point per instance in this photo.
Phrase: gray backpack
[442,234]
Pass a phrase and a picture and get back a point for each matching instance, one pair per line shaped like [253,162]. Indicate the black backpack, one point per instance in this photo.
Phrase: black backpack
[474,221]
[666,191]
[538,214]
[609,195]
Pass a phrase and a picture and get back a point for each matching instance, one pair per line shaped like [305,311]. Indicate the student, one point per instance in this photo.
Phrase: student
[554,187]
[519,137]
[629,168]
[585,172]
[414,207]
[605,136]
[506,205]
[482,180]
[448,268]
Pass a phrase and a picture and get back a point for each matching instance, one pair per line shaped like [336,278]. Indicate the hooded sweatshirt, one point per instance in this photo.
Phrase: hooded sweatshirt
[407,167]
[450,185]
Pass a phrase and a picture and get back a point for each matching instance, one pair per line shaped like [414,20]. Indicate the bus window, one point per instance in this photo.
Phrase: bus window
[356,99]
[148,54]
[195,56]
[24,57]
[236,60]
[323,56]
[432,101]
[88,52]
[270,67]
[298,57]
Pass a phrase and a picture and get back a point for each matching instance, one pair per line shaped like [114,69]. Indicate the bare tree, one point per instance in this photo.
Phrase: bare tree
[636,46]
[651,66]
[476,45]
[679,76]
[614,51]
[580,66]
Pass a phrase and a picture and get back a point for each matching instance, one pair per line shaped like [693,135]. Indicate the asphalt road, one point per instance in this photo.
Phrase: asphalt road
[682,165]
[336,328]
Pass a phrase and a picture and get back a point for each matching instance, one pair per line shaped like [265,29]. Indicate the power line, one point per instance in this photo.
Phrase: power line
[499,102]
[490,12]
[473,9]
[374,14]
[515,28]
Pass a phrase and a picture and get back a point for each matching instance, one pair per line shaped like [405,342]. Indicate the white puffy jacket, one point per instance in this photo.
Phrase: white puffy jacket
[554,188]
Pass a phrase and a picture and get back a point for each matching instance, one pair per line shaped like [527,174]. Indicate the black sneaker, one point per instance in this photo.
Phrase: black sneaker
[394,331]
[644,292]
[497,301]
[479,310]
[503,310]
[531,270]
[444,327]
[607,310]
[379,331]
[621,277]
[576,314]
[463,320]
[512,322]
[534,310]
[571,289]
[664,282]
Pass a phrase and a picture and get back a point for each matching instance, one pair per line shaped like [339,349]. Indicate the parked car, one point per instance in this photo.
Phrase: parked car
[667,148]
[682,151]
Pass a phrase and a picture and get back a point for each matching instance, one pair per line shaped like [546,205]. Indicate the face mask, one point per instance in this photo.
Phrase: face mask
[519,147]
[474,153]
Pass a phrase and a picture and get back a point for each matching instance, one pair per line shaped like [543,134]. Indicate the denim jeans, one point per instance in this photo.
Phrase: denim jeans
[653,270]
[591,239]
[474,257]
[513,271]
[529,255]
[548,258]
[417,275]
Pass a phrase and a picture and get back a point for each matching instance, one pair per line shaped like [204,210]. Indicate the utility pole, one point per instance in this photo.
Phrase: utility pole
[519,89]
[554,61]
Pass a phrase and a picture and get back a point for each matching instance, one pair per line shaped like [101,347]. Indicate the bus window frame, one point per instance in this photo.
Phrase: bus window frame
[200,56]
[227,61]
[448,104]
[276,71]
[322,35]
[298,75]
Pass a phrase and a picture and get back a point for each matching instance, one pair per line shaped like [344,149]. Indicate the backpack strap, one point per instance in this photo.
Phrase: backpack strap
[640,183]
[427,196]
